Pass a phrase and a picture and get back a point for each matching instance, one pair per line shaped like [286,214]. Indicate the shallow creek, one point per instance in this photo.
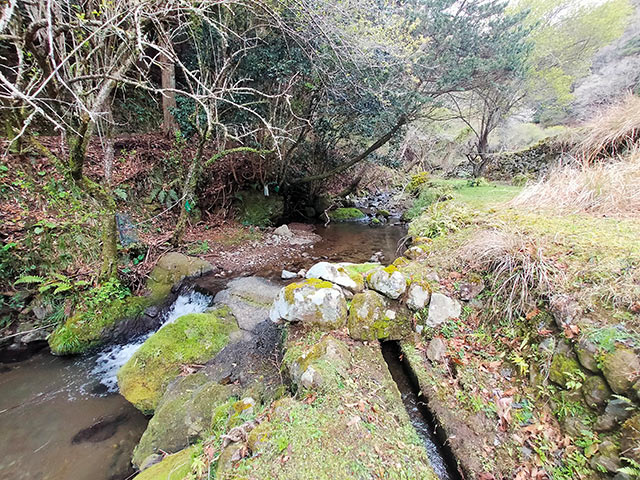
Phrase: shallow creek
[62,418]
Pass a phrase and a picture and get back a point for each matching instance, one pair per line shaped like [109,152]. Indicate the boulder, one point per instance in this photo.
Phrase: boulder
[191,339]
[318,365]
[177,465]
[437,349]
[389,281]
[564,367]
[338,274]
[630,438]
[636,389]
[346,215]
[257,209]
[173,267]
[587,351]
[313,301]
[565,310]
[621,368]
[620,409]
[185,416]
[596,392]
[418,295]
[283,231]
[370,318]
[441,309]
[287,275]
[608,457]
[249,299]
[574,426]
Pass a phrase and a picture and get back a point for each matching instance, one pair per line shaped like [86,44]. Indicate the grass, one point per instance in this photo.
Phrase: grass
[482,196]
[611,132]
[605,188]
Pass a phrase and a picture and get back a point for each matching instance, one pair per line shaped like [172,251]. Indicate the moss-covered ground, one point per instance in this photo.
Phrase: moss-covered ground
[353,427]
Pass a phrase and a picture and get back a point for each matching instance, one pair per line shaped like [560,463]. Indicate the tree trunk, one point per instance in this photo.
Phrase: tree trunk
[78,141]
[169,125]
[402,120]
[109,269]
[187,193]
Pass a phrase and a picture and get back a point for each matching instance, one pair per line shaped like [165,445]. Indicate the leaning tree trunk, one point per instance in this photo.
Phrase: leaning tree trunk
[187,193]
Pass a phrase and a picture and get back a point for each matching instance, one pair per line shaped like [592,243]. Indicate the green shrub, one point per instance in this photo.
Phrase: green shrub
[416,182]
[440,219]
[430,194]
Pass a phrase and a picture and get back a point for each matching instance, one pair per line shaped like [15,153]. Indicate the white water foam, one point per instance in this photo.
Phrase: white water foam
[109,360]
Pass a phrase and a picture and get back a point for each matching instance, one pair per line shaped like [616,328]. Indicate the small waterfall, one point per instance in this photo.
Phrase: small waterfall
[109,360]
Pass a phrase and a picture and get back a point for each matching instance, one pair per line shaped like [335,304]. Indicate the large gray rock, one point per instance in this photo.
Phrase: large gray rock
[565,310]
[338,274]
[315,302]
[596,392]
[587,351]
[371,318]
[418,296]
[437,349]
[173,267]
[441,309]
[249,299]
[621,368]
[388,281]
[608,457]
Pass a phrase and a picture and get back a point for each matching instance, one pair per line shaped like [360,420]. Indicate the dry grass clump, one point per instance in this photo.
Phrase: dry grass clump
[520,271]
[612,132]
[610,189]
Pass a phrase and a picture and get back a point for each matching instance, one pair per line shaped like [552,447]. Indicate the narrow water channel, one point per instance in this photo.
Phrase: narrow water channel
[439,455]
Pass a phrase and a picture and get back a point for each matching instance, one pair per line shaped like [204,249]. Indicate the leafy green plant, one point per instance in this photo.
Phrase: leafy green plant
[633,469]
[168,197]
[56,282]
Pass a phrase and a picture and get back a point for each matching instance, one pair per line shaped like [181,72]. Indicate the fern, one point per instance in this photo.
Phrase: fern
[29,279]
[633,470]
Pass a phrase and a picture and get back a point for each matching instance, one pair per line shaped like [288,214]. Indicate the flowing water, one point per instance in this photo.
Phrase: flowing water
[62,418]
[417,408]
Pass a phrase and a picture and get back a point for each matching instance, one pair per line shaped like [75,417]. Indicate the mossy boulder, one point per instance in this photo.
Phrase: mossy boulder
[388,281]
[171,268]
[621,368]
[596,392]
[339,274]
[564,367]
[193,338]
[185,415]
[86,330]
[587,352]
[257,210]
[346,215]
[317,366]
[314,302]
[172,467]
[607,458]
[370,318]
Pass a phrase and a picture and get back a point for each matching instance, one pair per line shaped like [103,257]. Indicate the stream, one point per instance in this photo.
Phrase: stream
[62,418]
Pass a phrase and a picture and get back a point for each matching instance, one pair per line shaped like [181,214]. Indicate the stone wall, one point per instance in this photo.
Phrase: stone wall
[532,162]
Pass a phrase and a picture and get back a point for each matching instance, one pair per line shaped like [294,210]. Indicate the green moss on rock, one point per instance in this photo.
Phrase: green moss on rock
[193,338]
[371,319]
[258,210]
[85,330]
[173,467]
[564,367]
[346,214]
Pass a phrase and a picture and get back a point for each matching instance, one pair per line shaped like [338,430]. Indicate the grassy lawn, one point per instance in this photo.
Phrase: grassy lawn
[481,196]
